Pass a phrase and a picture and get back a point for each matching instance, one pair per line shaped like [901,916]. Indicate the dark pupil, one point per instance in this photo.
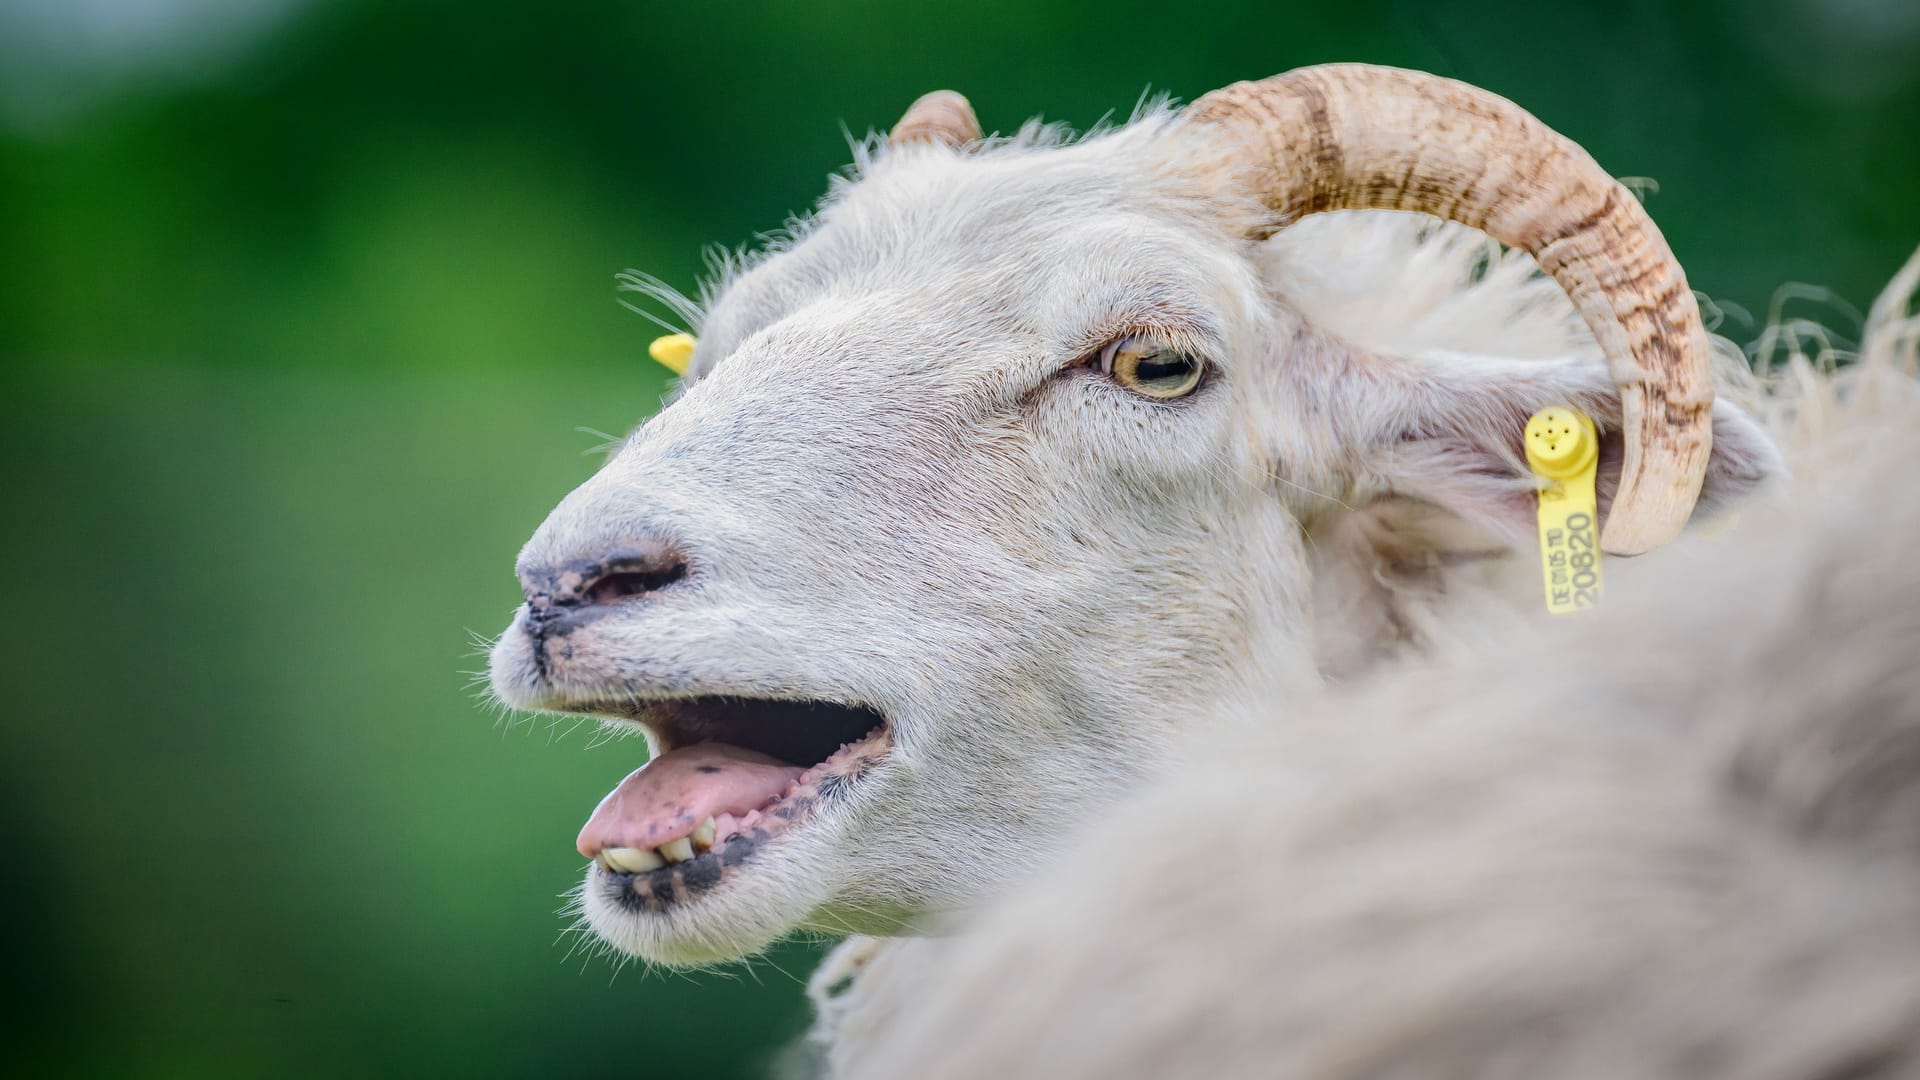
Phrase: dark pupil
[1163,367]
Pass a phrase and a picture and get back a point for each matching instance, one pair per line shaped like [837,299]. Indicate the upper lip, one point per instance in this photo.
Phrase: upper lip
[793,727]
[782,714]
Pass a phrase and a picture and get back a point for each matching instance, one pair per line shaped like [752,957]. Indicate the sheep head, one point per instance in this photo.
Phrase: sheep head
[1009,465]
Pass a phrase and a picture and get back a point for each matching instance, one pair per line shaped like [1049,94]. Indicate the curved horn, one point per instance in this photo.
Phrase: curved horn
[1355,136]
[942,117]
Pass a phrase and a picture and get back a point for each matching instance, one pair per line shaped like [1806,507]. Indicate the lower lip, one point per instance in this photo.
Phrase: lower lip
[659,890]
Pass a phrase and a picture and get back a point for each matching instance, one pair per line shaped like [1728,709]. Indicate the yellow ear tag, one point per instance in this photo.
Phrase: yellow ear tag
[672,351]
[1564,451]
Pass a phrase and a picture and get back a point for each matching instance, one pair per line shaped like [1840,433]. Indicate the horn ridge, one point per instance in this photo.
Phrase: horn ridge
[1358,136]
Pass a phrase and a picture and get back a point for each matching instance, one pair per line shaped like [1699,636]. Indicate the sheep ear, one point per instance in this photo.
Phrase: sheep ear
[1426,483]
[1446,430]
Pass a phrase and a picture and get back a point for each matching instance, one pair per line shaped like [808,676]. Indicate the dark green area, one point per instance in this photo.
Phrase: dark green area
[292,358]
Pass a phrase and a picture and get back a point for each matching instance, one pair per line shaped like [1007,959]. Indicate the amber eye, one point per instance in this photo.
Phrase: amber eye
[1151,369]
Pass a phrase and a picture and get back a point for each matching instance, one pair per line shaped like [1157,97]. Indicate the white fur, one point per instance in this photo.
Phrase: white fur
[1676,837]
[899,488]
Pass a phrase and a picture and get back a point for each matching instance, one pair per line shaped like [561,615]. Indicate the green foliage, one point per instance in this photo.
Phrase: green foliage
[292,357]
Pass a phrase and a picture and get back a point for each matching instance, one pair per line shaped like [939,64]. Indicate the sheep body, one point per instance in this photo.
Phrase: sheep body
[1677,837]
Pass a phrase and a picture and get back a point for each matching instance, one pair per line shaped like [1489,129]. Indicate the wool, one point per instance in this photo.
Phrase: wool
[1674,837]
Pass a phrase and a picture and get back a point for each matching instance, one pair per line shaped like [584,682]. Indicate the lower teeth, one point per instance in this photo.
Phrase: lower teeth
[627,860]
[630,860]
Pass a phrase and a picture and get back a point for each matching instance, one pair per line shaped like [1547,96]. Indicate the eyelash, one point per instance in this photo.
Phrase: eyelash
[1137,351]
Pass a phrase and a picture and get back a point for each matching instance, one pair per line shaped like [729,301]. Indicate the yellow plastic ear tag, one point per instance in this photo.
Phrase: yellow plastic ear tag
[1563,449]
[673,352]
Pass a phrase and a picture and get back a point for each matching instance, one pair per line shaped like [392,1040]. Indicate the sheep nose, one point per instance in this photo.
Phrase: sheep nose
[557,593]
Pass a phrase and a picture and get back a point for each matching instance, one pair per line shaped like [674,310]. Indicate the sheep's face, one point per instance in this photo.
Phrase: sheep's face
[900,506]
[916,572]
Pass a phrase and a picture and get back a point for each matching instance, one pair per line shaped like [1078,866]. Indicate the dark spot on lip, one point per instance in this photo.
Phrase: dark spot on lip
[654,891]
[634,894]
[701,874]
[740,847]
[707,769]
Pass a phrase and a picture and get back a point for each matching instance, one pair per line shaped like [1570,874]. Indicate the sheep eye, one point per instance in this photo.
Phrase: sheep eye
[1150,369]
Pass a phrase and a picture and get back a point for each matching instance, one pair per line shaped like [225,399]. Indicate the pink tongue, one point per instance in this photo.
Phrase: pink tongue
[664,799]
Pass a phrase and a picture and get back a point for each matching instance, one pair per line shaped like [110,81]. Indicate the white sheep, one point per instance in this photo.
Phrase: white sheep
[1023,456]
[1677,837]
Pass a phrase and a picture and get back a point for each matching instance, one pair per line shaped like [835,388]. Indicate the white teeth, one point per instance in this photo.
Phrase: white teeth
[628,860]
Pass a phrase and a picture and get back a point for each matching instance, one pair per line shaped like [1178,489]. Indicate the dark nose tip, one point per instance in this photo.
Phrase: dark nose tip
[635,570]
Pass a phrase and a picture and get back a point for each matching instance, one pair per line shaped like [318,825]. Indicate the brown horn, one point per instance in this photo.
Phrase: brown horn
[942,116]
[1356,137]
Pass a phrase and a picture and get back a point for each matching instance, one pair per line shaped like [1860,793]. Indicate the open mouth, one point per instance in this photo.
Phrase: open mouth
[732,773]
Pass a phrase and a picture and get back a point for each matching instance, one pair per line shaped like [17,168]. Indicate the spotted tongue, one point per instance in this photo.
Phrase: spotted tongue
[667,797]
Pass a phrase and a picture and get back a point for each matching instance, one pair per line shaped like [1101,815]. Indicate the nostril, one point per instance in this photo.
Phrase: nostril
[633,570]
[619,584]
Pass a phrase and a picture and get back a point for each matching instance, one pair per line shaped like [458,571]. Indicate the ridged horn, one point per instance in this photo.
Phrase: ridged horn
[942,116]
[1358,137]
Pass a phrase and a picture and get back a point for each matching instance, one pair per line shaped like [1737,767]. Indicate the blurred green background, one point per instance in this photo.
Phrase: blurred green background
[307,317]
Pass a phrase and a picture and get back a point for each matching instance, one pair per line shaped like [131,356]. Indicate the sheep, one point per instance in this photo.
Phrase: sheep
[1676,837]
[994,480]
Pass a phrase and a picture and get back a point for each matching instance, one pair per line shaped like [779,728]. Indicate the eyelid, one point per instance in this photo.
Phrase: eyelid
[1103,357]
[1164,313]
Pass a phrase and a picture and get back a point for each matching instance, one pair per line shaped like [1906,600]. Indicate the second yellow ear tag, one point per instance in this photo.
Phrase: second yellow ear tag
[673,352]
[1563,449]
